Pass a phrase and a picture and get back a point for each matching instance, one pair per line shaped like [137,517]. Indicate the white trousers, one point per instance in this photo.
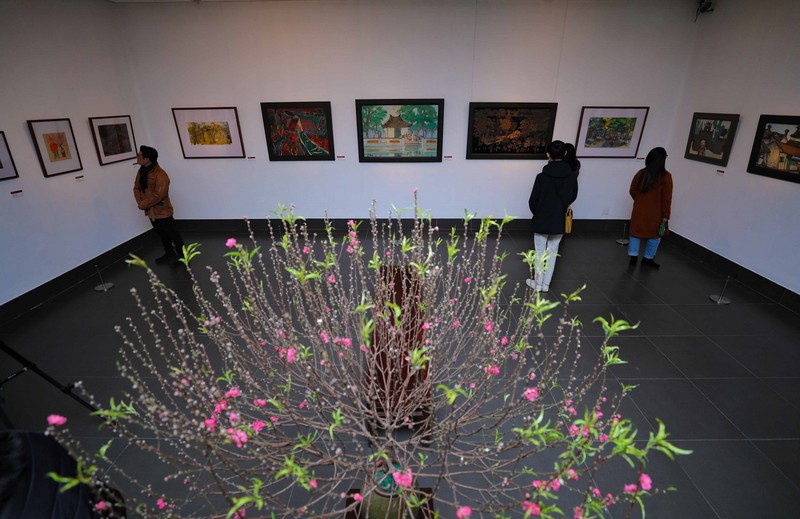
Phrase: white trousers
[546,246]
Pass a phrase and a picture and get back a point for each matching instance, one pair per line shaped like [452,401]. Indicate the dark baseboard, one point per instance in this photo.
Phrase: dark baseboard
[41,294]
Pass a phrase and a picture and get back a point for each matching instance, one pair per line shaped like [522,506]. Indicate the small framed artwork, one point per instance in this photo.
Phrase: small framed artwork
[711,138]
[8,169]
[399,130]
[510,130]
[298,131]
[776,148]
[209,133]
[607,132]
[55,145]
[113,138]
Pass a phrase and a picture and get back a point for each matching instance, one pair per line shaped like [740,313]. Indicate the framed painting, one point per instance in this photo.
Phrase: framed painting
[711,138]
[8,169]
[776,148]
[298,131]
[607,132]
[399,130]
[209,133]
[510,130]
[55,145]
[113,138]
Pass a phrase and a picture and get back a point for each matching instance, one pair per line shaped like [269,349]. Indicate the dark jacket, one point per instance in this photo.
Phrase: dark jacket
[554,189]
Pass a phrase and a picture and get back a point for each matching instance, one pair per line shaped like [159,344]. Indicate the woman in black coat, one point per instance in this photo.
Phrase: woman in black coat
[554,189]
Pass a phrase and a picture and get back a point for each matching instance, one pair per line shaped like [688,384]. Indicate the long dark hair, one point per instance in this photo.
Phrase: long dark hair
[654,169]
[570,157]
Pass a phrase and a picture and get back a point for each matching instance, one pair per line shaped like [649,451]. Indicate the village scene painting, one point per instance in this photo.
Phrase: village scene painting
[298,131]
[510,131]
[406,131]
[776,150]
[213,133]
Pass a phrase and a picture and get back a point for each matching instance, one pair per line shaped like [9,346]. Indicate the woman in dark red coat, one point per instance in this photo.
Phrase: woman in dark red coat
[651,190]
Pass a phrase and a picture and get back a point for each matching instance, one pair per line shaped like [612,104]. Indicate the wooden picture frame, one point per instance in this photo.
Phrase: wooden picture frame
[209,133]
[711,138]
[298,130]
[610,132]
[776,148]
[400,130]
[113,138]
[8,169]
[510,130]
[55,146]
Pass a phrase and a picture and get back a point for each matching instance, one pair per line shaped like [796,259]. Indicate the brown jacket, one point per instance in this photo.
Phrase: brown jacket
[154,200]
[650,208]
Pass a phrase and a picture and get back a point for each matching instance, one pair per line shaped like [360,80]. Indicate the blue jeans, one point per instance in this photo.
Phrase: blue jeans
[650,246]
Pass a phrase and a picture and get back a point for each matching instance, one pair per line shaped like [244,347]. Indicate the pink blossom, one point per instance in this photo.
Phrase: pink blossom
[184,381]
[578,513]
[350,249]
[211,423]
[233,392]
[347,342]
[363,347]
[231,243]
[467,279]
[531,508]
[240,513]
[573,430]
[463,512]
[162,504]
[555,485]
[603,437]
[291,353]
[238,437]
[492,370]
[629,488]
[456,323]
[313,483]
[259,402]
[572,475]
[233,417]
[324,337]
[56,419]
[351,223]
[426,325]
[596,492]
[504,341]
[303,404]
[488,326]
[358,497]
[221,406]
[537,483]
[273,419]
[532,393]
[101,505]
[258,425]
[472,385]
[645,482]
[331,279]
[403,479]
[305,249]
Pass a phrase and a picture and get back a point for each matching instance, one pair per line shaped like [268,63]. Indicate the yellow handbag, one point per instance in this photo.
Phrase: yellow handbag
[568,221]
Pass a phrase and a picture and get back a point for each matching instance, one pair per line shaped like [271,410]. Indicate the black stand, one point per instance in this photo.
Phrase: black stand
[27,365]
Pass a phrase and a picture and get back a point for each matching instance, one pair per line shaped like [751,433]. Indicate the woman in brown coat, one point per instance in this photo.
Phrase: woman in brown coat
[651,190]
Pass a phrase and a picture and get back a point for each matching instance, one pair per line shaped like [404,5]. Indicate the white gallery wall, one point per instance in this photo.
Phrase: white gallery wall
[89,58]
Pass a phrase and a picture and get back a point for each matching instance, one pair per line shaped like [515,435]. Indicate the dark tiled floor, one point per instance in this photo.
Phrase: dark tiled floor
[725,378]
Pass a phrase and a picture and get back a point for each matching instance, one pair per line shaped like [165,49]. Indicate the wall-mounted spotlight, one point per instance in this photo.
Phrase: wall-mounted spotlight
[703,6]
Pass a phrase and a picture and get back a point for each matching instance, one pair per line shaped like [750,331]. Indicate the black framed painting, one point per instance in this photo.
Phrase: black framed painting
[510,130]
[113,138]
[298,130]
[610,132]
[8,169]
[399,130]
[776,148]
[55,146]
[711,138]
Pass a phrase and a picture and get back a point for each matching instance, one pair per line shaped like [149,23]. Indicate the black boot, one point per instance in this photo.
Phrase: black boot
[632,260]
[650,263]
